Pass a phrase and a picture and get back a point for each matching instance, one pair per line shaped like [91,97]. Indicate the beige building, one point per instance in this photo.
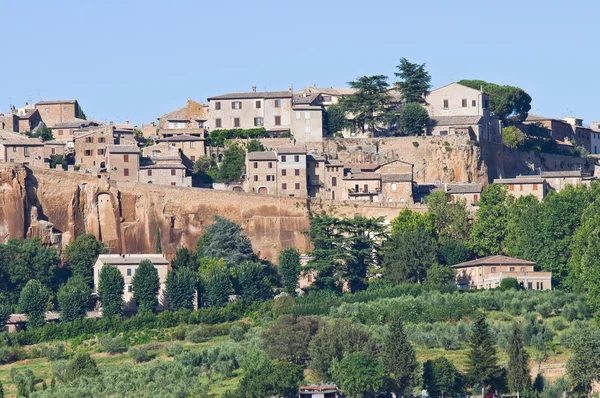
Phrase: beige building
[161,149]
[54,112]
[127,264]
[54,148]
[21,120]
[292,178]
[91,145]
[470,192]
[268,109]
[15,148]
[558,180]
[307,123]
[525,185]
[364,186]
[164,170]
[64,130]
[488,272]
[191,147]
[261,173]
[123,162]
[458,109]
[188,120]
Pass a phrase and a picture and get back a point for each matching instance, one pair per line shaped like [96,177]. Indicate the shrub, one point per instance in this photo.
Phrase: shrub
[509,283]
[139,354]
[236,333]
[197,334]
[544,309]
[558,324]
[59,369]
[415,144]
[179,332]
[54,353]
[112,345]
[174,348]
[81,365]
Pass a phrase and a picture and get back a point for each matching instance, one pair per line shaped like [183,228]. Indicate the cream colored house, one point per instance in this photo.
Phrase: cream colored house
[127,264]
[525,185]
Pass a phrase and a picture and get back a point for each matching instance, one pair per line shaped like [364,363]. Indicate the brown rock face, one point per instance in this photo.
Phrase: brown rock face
[128,216]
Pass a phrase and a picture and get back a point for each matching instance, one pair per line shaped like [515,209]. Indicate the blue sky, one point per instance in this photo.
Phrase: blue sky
[136,60]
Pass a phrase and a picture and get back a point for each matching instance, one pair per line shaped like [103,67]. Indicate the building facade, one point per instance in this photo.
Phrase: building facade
[54,112]
[15,148]
[188,120]
[525,185]
[123,162]
[191,147]
[91,145]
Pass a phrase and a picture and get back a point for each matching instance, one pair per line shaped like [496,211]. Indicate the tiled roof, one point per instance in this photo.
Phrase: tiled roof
[464,188]
[55,142]
[333,163]
[28,113]
[56,102]
[9,138]
[403,177]
[180,138]
[291,150]
[184,113]
[268,155]
[362,166]
[132,259]
[563,174]
[73,124]
[122,149]
[538,118]
[252,94]
[494,260]
[520,180]
[363,176]
[163,165]
[454,120]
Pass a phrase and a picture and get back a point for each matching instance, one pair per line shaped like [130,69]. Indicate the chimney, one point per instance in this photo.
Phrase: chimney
[111,122]
[127,122]
[290,89]
[315,85]
[253,89]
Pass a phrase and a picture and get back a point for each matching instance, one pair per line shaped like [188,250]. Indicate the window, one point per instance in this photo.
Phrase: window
[65,109]
[258,121]
[309,278]
[89,139]
[255,178]
[126,158]
[297,115]
[535,187]
[218,105]
[277,120]
[53,151]
[270,165]
[307,129]
[511,187]
[475,198]
[271,178]
[284,186]
[327,98]
[60,132]
[297,186]
[394,187]
[522,269]
[511,269]
[284,172]
[297,172]
[126,172]
[493,270]
[46,110]
[128,271]
[537,286]
[445,104]
[154,153]
[366,188]
[258,105]
[218,123]
[529,285]
[485,104]
[541,285]
[277,103]
[307,115]
[334,181]
[520,187]
[236,122]
[255,165]
[474,103]
[464,103]
[236,105]
[193,158]
[317,165]
[333,195]
[100,151]
[14,149]
[283,158]
[173,183]
[173,172]
[129,288]
[192,145]
[88,152]
[101,140]
[149,173]
[296,158]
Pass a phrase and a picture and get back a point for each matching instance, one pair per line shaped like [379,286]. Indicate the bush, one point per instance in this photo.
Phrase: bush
[509,283]
[174,348]
[81,365]
[112,345]
[54,353]
[558,324]
[236,333]
[59,369]
[140,354]
[544,309]
[179,332]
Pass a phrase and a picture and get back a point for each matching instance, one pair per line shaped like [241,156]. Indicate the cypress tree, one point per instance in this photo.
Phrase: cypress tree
[289,268]
[146,284]
[158,242]
[33,302]
[181,286]
[1,390]
[518,372]
[482,362]
[399,359]
[110,290]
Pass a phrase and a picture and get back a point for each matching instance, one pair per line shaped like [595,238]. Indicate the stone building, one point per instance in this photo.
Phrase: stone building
[164,170]
[15,148]
[90,146]
[21,120]
[249,110]
[525,185]
[470,192]
[123,162]
[188,120]
[488,272]
[64,130]
[292,179]
[261,173]
[54,112]
[160,149]
[128,264]
[558,180]
[191,147]
[54,148]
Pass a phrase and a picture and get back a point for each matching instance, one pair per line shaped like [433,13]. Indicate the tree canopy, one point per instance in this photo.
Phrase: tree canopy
[414,83]
[506,102]
[370,106]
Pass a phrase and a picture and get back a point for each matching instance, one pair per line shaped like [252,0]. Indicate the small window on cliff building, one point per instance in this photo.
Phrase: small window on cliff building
[126,172]
[474,103]
[445,104]
[173,172]
[126,158]
[464,103]
[255,165]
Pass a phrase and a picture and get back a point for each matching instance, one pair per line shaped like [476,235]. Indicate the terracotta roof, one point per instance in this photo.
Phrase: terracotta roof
[292,150]
[363,176]
[520,180]
[267,155]
[464,188]
[333,163]
[122,149]
[403,177]
[362,166]
[180,138]
[163,165]
[252,94]
[494,260]
[454,120]
[28,113]
[538,118]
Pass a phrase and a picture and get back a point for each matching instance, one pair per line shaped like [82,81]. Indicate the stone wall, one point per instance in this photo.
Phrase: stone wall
[518,162]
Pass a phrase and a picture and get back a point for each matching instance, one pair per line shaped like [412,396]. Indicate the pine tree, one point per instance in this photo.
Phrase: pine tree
[289,268]
[518,372]
[415,83]
[482,363]
[398,358]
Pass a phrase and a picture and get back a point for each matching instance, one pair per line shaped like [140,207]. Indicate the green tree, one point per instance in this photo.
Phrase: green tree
[289,268]
[441,378]
[264,378]
[1,390]
[334,119]
[358,374]
[253,284]
[414,83]
[505,101]
[335,339]
[181,287]
[184,259]
[583,366]
[255,146]
[413,118]
[225,239]
[439,275]
[206,168]
[81,365]
[482,362]
[232,166]
[399,359]
[158,244]
[5,310]
[370,105]
[33,302]
[451,252]
[450,218]
[408,220]
[73,299]
[216,282]
[146,284]
[517,371]
[80,256]
[327,257]
[513,137]
[489,228]
[408,255]
[287,339]
[45,133]
[110,290]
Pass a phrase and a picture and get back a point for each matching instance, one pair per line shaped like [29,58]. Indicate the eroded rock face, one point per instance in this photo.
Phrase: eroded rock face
[127,216]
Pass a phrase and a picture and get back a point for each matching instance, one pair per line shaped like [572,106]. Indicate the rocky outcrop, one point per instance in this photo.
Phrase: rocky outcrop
[127,217]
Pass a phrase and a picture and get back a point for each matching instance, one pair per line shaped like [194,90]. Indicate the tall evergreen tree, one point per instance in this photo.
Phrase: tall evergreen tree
[399,359]
[184,259]
[80,256]
[73,299]
[441,378]
[517,372]
[33,302]
[181,286]
[408,255]
[110,290]
[146,284]
[215,281]
[225,239]
[328,254]
[158,248]
[252,284]
[289,268]
[482,362]
[415,81]
[370,104]
[490,226]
